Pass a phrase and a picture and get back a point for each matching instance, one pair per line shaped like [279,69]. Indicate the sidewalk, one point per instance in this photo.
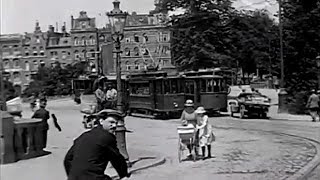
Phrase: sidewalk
[50,167]
[273,114]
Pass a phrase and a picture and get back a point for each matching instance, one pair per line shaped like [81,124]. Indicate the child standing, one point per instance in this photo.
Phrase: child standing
[206,136]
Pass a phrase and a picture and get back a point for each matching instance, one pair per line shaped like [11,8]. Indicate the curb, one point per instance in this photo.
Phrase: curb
[157,162]
[304,172]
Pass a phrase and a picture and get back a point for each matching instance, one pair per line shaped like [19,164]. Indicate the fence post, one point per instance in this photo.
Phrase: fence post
[6,138]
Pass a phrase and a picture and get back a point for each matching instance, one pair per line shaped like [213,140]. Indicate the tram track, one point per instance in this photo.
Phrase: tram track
[304,172]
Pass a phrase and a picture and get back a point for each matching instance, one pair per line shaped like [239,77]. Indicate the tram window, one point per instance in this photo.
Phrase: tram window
[174,86]
[158,87]
[203,85]
[166,87]
[216,85]
[190,87]
[210,83]
[140,89]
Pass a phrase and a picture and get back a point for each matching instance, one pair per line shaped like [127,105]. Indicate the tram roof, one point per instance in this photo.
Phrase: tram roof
[204,76]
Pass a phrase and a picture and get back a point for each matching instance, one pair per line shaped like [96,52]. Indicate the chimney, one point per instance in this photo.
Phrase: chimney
[57,27]
[51,29]
[72,22]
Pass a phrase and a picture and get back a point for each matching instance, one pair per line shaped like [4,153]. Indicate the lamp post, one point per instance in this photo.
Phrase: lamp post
[282,94]
[318,67]
[117,20]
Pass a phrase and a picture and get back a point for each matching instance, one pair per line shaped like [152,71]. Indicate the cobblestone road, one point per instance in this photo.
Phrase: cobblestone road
[240,154]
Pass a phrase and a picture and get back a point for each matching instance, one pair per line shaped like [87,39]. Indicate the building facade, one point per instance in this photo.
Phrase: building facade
[58,47]
[84,39]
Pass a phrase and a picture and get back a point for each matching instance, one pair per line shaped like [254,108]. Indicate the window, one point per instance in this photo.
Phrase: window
[75,41]
[37,39]
[35,65]
[76,54]
[4,46]
[42,63]
[92,53]
[145,38]
[27,77]
[65,42]
[15,46]
[35,53]
[102,38]
[145,51]
[16,63]
[92,40]
[64,55]
[42,53]
[83,40]
[140,89]
[128,40]
[136,51]
[158,87]
[165,38]
[26,53]
[127,51]
[136,66]
[27,65]
[6,63]
[16,76]
[136,38]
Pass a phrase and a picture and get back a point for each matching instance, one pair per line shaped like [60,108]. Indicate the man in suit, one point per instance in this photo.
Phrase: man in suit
[91,152]
[43,114]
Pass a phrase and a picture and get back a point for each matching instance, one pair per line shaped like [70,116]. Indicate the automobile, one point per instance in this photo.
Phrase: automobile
[250,103]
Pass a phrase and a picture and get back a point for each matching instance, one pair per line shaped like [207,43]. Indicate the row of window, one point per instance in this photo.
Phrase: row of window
[17,64]
[83,41]
[17,76]
[144,38]
[145,51]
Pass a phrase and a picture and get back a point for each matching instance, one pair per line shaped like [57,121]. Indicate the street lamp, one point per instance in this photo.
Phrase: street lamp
[282,96]
[117,20]
[318,66]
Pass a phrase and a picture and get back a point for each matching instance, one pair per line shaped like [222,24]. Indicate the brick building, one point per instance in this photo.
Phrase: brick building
[58,47]
[146,42]
[84,39]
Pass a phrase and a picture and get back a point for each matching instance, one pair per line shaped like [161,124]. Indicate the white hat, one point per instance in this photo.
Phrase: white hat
[200,110]
[189,103]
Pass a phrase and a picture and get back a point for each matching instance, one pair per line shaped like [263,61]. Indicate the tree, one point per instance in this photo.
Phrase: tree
[301,40]
[55,80]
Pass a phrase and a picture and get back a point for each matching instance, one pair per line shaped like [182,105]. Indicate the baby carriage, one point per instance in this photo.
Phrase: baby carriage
[187,137]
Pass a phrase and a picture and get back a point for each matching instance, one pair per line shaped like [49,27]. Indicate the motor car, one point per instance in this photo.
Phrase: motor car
[249,104]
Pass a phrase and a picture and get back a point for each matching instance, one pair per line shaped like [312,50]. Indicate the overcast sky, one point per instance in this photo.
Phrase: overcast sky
[18,16]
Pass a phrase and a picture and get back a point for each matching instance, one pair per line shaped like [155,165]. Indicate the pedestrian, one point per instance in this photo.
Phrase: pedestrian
[188,116]
[112,95]
[43,114]
[100,97]
[313,105]
[91,152]
[206,136]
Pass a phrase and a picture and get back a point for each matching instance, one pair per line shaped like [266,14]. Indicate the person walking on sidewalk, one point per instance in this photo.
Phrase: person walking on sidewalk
[206,136]
[313,105]
[91,152]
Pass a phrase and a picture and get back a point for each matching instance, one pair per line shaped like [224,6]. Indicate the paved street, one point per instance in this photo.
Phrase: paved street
[241,151]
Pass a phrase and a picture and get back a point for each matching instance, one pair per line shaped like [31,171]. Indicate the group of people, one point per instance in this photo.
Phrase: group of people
[106,97]
[313,105]
[204,133]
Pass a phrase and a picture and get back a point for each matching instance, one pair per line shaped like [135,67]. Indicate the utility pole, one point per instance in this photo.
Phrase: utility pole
[3,99]
[281,44]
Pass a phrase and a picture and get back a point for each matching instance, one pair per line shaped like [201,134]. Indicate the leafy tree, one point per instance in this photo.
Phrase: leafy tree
[56,80]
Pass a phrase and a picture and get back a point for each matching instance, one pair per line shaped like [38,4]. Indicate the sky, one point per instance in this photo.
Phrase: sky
[19,16]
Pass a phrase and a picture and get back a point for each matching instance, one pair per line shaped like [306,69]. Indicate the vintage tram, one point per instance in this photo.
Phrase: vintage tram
[156,94]
[209,91]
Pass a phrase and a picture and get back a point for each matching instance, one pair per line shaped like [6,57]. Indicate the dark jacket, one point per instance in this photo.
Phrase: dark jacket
[89,156]
[43,114]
